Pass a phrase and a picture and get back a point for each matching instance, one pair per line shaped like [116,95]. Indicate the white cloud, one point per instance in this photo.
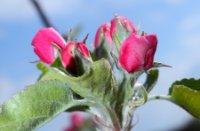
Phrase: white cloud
[158,17]
[60,7]
[190,23]
[23,9]
[15,10]
[189,38]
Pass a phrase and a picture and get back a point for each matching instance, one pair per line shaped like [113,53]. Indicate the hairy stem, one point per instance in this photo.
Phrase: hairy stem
[160,97]
[104,108]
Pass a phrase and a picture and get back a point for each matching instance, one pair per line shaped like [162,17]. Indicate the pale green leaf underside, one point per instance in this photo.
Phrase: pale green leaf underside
[97,83]
[34,106]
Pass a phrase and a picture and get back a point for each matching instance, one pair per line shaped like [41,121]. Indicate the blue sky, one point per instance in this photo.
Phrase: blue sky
[176,22]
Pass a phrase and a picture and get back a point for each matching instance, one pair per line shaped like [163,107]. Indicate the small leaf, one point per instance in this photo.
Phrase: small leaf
[35,105]
[151,80]
[186,93]
[57,63]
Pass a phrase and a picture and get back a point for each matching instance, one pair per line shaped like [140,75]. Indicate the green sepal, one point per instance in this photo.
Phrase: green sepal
[83,63]
[151,79]
[158,65]
[120,34]
[58,64]
[43,68]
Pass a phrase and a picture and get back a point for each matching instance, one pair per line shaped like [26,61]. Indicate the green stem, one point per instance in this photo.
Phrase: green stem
[160,97]
[102,107]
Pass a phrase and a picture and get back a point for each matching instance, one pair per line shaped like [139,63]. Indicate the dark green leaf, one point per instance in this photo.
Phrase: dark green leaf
[191,83]
[57,63]
[151,80]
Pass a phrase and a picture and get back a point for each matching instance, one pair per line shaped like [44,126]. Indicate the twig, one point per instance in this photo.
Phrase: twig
[41,13]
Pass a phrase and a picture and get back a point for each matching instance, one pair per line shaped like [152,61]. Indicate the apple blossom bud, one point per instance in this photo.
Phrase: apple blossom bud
[121,28]
[103,42]
[137,52]
[103,35]
[44,44]
[69,57]
[76,122]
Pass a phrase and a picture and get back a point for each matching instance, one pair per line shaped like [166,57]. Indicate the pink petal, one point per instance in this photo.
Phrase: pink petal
[83,49]
[68,58]
[137,52]
[43,41]
[125,22]
[76,119]
[152,38]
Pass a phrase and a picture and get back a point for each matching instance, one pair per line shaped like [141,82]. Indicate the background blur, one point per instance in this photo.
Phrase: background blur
[176,22]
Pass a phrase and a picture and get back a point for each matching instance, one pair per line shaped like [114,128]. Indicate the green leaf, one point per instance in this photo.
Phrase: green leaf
[35,105]
[57,63]
[186,93]
[191,83]
[97,83]
[151,80]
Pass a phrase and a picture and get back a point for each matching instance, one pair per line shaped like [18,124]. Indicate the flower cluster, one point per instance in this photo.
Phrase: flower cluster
[103,82]
[49,44]
[135,51]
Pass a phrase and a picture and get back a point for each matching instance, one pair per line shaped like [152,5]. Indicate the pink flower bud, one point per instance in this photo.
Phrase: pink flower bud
[76,122]
[76,119]
[137,52]
[121,27]
[125,22]
[43,44]
[68,57]
[103,35]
